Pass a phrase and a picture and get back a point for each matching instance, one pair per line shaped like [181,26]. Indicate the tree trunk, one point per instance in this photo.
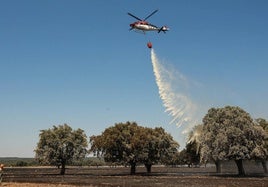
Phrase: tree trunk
[62,170]
[132,168]
[241,171]
[263,162]
[218,166]
[148,168]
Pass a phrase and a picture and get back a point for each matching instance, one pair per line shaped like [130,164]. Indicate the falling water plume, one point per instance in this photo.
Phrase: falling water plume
[172,86]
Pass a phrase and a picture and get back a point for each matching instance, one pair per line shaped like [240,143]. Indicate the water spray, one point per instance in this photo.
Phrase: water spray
[172,87]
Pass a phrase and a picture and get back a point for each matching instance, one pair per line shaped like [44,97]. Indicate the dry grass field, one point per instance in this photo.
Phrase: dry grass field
[115,177]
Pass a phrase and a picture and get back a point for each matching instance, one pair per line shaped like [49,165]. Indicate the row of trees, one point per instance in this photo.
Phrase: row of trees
[124,144]
[227,133]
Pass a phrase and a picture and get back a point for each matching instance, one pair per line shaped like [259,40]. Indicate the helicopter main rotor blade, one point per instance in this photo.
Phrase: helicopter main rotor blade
[134,16]
[150,14]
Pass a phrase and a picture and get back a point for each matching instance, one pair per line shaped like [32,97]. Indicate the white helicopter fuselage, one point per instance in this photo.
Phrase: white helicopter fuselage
[145,27]
[148,27]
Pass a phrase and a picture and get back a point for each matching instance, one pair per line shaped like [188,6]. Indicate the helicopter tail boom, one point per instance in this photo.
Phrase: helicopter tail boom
[163,29]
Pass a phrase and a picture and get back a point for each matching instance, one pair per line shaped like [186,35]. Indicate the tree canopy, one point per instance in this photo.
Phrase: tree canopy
[191,154]
[258,152]
[61,145]
[229,133]
[130,144]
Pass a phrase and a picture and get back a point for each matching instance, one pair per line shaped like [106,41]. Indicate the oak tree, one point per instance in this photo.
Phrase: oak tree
[130,144]
[61,145]
[193,146]
[259,153]
[158,147]
[229,133]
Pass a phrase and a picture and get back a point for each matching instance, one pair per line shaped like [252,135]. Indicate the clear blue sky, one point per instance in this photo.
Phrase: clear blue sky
[75,62]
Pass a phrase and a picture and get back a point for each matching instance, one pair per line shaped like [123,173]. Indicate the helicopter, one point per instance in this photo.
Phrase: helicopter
[144,26]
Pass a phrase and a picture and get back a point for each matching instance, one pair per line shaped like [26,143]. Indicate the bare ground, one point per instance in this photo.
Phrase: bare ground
[115,177]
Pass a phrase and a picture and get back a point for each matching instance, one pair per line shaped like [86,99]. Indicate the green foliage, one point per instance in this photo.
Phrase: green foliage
[130,144]
[21,163]
[264,124]
[229,133]
[61,145]
[193,155]
[192,151]
[258,152]
[89,161]
[183,158]
[189,155]
[158,146]
[175,159]
[15,161]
